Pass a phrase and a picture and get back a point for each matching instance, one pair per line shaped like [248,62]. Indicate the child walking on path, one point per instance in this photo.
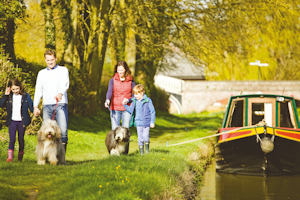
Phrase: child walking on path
[17,103]
[143,116]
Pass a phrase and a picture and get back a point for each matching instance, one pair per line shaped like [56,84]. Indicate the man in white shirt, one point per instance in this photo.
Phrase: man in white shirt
[52,84]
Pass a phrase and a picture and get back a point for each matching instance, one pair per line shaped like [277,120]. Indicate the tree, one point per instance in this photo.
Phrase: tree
[143,29]
[9,11]
[227,35]
[50,37]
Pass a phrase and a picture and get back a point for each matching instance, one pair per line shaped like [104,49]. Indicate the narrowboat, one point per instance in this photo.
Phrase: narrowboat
[260,135]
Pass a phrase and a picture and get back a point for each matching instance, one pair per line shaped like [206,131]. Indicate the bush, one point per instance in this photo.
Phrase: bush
[8,71]
[78,95]
[160,99]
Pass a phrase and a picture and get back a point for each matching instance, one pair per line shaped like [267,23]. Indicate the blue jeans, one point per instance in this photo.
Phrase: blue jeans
[61,116]
[116,116]
[143,135]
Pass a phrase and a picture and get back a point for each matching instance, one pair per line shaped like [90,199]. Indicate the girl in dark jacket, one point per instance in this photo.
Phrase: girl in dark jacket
[17,104]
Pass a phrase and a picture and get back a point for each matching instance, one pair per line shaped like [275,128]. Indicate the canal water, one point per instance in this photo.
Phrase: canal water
[220,186]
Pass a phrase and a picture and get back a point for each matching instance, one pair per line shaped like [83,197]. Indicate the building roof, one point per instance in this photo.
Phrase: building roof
[177,65]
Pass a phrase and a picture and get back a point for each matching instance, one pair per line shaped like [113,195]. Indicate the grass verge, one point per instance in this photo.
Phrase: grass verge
[165,173]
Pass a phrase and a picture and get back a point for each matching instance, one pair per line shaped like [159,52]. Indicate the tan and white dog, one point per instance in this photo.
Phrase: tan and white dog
[117,141]
[49,146]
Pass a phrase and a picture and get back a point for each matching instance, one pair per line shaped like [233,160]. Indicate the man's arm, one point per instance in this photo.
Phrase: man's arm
[64,84]
[37,95]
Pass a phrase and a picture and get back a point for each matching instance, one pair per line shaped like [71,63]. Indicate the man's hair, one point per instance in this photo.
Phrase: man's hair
[50,52]
[138,89]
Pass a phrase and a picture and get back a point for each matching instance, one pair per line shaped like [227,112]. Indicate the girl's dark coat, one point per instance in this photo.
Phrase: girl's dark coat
[26,104]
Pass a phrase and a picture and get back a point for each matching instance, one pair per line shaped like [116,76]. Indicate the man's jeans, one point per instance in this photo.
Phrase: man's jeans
[61,116]
[116,116]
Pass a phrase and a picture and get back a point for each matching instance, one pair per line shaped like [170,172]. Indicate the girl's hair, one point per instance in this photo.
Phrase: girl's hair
[138,89]
[16,82]
[124,64]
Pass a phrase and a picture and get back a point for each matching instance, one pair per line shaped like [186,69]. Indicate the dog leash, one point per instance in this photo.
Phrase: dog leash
[53,115]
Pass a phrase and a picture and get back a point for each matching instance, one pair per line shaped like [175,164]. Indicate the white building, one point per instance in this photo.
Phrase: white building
[176,70]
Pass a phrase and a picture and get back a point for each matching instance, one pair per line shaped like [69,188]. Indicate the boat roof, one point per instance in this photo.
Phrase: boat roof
[260,95]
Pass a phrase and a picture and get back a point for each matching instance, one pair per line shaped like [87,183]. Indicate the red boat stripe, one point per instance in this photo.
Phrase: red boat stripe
[292,135]
[234,134]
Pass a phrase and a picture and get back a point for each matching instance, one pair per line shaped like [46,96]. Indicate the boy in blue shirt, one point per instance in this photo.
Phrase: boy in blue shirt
[143,116]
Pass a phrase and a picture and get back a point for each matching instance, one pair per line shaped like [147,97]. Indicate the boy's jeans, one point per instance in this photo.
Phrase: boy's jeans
[116,116]
[61,116]
[143,135]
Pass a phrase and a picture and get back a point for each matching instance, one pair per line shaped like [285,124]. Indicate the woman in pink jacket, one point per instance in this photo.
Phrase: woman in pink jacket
[119,91]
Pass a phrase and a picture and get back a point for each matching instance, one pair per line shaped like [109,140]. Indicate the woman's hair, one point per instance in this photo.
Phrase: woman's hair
[16,82]
[124,64]
[138,89]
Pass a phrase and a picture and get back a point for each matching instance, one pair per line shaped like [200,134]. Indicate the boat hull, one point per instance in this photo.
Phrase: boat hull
[245,156]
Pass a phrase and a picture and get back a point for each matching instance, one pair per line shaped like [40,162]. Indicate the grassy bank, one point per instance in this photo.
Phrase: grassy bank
[91,174]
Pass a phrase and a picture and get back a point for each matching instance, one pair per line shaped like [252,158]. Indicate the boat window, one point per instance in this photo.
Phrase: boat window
[258,113]
[237,116]
[285,115]
[262,112]
[297,108]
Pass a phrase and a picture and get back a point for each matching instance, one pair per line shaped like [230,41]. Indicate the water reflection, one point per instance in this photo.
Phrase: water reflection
[219,186]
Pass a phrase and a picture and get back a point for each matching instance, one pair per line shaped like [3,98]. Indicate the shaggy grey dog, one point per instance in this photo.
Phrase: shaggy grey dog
[49,147]
[117,141]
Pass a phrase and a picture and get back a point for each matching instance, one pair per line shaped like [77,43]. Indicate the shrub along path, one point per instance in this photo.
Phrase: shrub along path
[164,173]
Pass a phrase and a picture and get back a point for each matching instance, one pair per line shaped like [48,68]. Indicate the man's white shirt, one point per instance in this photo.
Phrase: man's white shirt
[49,83]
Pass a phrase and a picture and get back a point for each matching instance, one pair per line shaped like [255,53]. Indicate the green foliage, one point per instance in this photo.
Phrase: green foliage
[78,94]
[152,26]
[9,11]
[160,99]
[7,72]
[26,73]
[50,37]
[227,35]
[30,35]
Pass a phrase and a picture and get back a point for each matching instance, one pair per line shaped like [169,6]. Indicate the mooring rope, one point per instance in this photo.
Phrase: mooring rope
[218,134]
[205,137]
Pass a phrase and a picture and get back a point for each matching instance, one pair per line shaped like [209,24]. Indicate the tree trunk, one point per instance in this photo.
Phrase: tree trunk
[117,38]
[138,58]
[9,45]
[97,42]
[130,41]
[50,37]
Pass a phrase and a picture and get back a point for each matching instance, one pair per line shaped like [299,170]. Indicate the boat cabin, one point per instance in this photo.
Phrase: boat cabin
[260,135]
[273,110]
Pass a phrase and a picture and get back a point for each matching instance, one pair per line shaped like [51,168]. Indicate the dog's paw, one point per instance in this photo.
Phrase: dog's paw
[41,162]
[114,152]
[53,162]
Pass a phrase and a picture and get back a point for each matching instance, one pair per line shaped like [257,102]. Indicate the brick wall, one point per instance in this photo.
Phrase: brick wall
[198,96]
